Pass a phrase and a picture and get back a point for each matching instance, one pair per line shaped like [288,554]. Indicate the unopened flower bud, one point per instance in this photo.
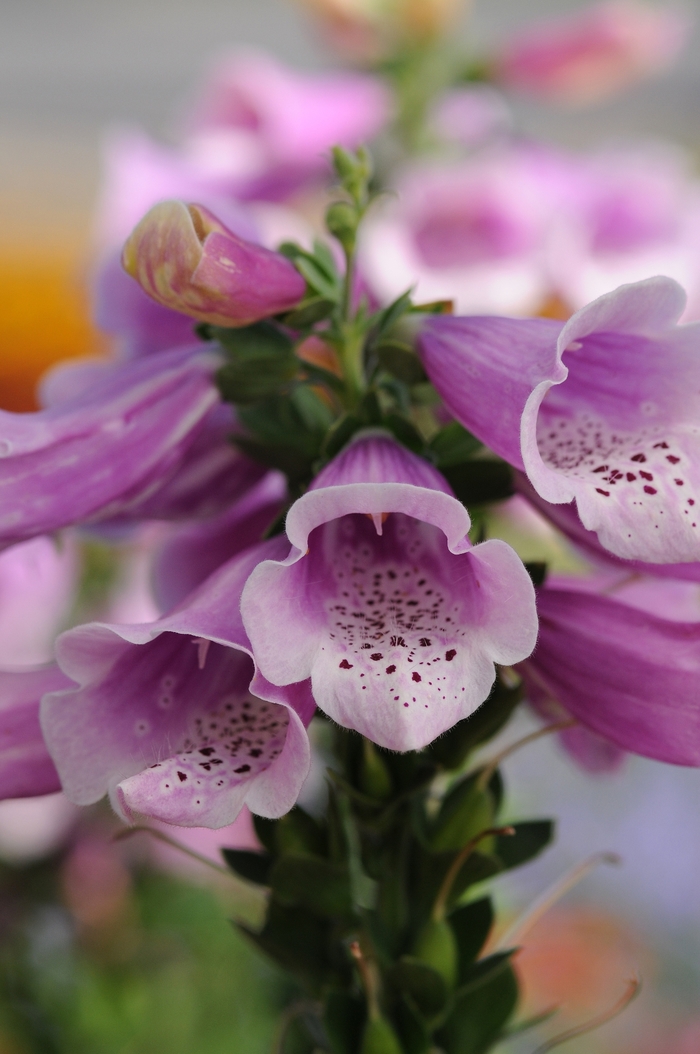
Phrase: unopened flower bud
[341,221]
[185,259]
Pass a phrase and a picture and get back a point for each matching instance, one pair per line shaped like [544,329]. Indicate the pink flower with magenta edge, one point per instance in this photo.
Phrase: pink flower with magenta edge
[602,410]
[582,58]
[187,260]
[172,718]
[384,603]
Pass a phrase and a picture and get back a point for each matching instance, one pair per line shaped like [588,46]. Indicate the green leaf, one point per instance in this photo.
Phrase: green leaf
[250,380]
[324,258]
[479,1015]
[312,309]
[266,831]
[317,278]
[254,867]
[391,314]
[413,1030]
[299,833]
[484,971]
[453,444]
[406,432]
[317,885]
[400,360]
[471,925]
[466,811]
[452,749]
[261,340]
[479,482]
[530,838]
[344,1018]
[297,940]
[341,433]
[425,986]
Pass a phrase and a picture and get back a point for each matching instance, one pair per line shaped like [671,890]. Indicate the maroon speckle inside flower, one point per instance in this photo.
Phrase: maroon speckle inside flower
[391,669]
[416,676]
[650,490]
[671,457]
[641,458]
[377,656]
[345,665]
[449,655]
[182,776]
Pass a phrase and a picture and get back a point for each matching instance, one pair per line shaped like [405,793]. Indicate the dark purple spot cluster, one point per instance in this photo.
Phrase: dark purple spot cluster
[226,746]
[396,627]
[646,470]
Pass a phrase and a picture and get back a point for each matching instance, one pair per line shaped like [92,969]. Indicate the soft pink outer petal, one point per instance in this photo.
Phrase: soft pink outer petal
[26,768]
[623,673]
[91,763]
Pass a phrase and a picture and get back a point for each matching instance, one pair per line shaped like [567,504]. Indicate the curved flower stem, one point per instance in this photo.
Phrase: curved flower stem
[440,905]
[549,898]
[490,768]
[370,979]
[634,987]
[174,844]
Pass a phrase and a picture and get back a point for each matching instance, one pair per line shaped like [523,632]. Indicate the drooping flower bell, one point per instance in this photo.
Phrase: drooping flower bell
[384,602]
[147,438]
[172,720]
[624,669]
[187,260]
[602,410]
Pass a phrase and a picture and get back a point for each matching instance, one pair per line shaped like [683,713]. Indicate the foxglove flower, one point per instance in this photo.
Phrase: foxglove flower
[384,602]
[625,673]
[171,719]
[602,410]
[187,260]
[38,587]
[112,449]
[26,768]
[584,57]
[473,231]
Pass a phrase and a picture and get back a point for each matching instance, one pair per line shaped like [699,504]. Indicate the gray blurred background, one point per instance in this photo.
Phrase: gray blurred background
[69,67]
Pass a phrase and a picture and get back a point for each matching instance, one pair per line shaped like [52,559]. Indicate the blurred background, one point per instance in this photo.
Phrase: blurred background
[110,948]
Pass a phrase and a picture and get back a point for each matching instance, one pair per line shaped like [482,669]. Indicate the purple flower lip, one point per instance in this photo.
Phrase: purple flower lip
[384,603]
[171,718]
[187,260]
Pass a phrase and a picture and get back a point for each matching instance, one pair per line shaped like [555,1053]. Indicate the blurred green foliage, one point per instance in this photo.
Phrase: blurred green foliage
[168,975]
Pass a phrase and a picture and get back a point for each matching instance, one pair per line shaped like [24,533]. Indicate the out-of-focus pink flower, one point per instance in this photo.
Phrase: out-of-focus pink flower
[368,29]
[290,118]
[187,260]
[585,57]
[473,231]
[470,115]
[636,213]
[38,580]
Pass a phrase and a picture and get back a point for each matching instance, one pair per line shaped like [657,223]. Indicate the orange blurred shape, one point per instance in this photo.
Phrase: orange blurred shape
[44,318]
[578,959]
